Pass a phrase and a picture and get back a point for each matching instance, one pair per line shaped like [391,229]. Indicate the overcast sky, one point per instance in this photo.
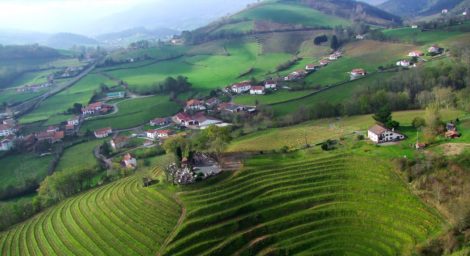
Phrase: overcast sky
[58,15]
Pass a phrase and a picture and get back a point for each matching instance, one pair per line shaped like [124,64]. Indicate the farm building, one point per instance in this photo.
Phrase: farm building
[51,137]
[158,134]
[129,162]
[119,142]
[7,129]
[358,72]
[381,134]
[74,121]
[435,49]
[115,95]
[184,119]
[415,54]
[241,87]
[231,107]
[103,133]
[204,121]
[310,67]
[92,108]
[195,105]
[159,122]
[6,144]
[403,63]
[257,90]
[270,84]
[212,102]
[324,63]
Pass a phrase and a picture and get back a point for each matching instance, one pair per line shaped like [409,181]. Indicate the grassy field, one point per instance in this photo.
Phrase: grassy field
[121,218]
[409,35]
[207,72]
[240,27]
[335,95]
[160,52]
[305,204]
[320,130]
[82,92]
[17,169]
[79,156]
[12,97]
[272,98]
[291,14]
[134,112]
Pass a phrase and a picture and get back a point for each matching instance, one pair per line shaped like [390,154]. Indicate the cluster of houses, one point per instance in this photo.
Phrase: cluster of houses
[97,108]
[8,129]
[34,87]
[247,87]
[433,50]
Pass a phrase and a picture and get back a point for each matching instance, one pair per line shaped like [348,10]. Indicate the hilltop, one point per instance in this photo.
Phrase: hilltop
[405,8]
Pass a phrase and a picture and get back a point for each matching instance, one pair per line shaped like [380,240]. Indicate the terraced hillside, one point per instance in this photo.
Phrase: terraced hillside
[121,218]
[305,205]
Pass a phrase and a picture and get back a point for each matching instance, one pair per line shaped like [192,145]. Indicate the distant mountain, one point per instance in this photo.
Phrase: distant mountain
[29,52]
[414,8]
[353,10]
[68,40]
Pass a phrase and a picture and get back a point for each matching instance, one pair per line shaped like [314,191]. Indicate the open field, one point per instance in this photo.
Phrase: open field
[207,72]
[305,204]
[320,130]
[334,95]
[18,169]
[134,112]
[12,97]
[82,92]
[291,14]
[272,98]
[160,52]
[79,156]
[121,218]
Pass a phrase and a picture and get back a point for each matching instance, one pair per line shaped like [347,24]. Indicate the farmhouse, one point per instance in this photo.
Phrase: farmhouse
[381,134]
[203,121]
[298,74]
[70,129]
[7,129]
[52,137]
[195,105]
[257,90]
[310,67]
[115,95]
[92,108]
[415,54]
[358,72]
[184,119]
[74,121]
[103,133]
[129,162]
[119,142]
[403,63]
[6,144]
[324,63]
[334,56]
[158,134]
[270,84]
[435,49]
[231,107]
[241,87]
[159,122]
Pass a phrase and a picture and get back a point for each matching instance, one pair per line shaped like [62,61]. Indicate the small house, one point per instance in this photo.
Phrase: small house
[212,102]
[52,137]
[184,119]
[159,122]
[7,129]
[404,63]
[74,121]
[92,109]
[158,134]
[229,107]
[420,146]
[6,144]
[119,142]
[358,72]
[324,63]
[415,54]
[257,90]
[103,133]
[241,87]
[129,162]
[115,95]
[380,134]
[270,84]
[435,49]
[195,105]
[310,67]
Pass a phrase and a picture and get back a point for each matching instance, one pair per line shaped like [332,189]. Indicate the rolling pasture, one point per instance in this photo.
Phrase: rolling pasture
[82,92]
[305,204]
[134,112]
[318,131]
[121,218]
[79,156]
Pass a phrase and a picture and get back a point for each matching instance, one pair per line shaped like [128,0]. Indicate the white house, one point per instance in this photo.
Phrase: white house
[195,105]
[415,54]
[158,134]
[414,26]
[379,134]
[129,162]
[6,144]
[159,122]
[92,108]
[403,63]
[241,87]
[270,84]
[6,130]
[257,90]
[74,121]
[103,133]
[435,49]
[358,72]
[310,67]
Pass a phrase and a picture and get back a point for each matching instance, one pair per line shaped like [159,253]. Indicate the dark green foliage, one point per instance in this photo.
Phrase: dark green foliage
[334,43]
[320,39]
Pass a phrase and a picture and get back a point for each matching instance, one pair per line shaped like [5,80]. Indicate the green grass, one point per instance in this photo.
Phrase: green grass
[305,204]
[239,27]
[32,78]
[207,72]
[317,131]
[79,156]
[275,97]
[161,52]
[134,112]
[121,218]
[82,92]
[409,35]
[12,97]
[17,169]
[291,14]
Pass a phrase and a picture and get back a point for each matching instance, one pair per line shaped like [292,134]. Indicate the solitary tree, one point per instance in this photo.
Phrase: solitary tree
[334,42]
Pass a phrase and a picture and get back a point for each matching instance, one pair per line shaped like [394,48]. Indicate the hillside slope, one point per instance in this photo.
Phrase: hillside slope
[406,8]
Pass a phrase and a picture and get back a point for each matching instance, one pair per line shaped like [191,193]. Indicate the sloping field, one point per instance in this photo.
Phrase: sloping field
[121,218]
[305,205]
[79,156]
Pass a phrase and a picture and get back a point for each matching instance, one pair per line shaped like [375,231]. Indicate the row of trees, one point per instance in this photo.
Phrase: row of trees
[171,85]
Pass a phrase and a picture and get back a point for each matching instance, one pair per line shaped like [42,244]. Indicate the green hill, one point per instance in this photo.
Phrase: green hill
[305,204]
[405,8]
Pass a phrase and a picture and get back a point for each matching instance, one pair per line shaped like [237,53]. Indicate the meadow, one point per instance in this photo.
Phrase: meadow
[17,170]
[81,92]
[272,98]
[416,36]
[121,218]
[305,204]
[134,112]
[318,131]
[79,156]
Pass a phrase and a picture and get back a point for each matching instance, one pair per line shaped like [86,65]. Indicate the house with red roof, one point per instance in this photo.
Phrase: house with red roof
[195,105]
[158,134]
[380,134]
[103,133]
[92,108]
[310,67]
[241,87]
[7,129]
[51,137]
[270,84]
[357,72]
[159,122]
[184,119]
[7,143]
[415,54]
[119,142]
[257,90]
[129,162]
